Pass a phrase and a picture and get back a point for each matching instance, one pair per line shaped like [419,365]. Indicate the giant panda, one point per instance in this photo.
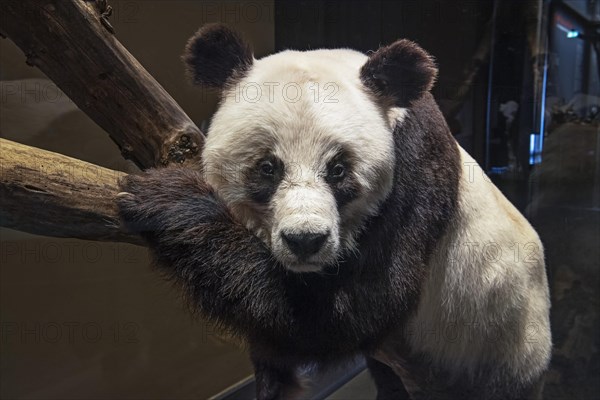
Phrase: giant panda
[319,228]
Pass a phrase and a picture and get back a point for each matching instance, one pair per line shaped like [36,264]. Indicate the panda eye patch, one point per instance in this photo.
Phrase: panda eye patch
[341,180]
[263,178]
[337,171]
[266,168]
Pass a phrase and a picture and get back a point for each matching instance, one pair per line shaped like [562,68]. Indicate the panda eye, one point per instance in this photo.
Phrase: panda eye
[266,168]
[338,171]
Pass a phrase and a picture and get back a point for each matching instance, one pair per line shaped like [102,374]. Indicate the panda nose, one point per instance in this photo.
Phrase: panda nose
[304,244]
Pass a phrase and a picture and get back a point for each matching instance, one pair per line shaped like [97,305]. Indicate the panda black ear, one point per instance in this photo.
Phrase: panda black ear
[401,72]
[217,55]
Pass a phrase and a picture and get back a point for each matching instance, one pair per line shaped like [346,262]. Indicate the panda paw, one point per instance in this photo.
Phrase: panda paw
[166,199]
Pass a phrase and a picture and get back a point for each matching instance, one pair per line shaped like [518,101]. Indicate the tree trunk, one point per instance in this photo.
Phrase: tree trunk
[72,42]
[54,195]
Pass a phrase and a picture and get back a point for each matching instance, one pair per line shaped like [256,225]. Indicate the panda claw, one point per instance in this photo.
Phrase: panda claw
[121,195]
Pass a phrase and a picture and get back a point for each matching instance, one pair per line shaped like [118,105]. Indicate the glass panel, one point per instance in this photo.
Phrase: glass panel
[565,197]
[543,152]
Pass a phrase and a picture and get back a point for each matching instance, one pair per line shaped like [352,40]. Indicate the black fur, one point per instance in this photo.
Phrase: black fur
[290,319]
[260,187]
[400,73]
[346,189]
[216,56]
[426,381]
[389,385]
[230,276]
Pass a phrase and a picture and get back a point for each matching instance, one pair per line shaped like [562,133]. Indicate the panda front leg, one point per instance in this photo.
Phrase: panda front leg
[274,380]
[389,385]
[226,272]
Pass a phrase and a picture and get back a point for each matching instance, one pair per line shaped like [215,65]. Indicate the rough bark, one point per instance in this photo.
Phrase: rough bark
[50,194]
[73,43]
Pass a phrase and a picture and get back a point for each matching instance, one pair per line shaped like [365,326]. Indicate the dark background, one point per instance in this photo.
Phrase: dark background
[88,320]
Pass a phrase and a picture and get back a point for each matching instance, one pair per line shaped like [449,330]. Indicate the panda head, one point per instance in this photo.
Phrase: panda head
[301,147]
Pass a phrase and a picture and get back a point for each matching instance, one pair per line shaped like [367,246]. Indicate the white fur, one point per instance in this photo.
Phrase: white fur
[305,205]
[486,299]
[258,116]
[487,275]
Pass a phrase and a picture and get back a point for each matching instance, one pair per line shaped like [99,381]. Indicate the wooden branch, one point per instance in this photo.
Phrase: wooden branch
[72,42]
[51,194]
